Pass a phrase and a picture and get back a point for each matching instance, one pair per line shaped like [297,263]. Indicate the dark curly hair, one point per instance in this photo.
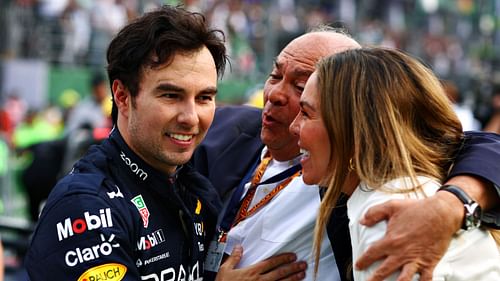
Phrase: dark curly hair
[154,39]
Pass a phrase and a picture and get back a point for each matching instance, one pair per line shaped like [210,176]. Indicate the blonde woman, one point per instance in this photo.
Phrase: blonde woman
[374,123]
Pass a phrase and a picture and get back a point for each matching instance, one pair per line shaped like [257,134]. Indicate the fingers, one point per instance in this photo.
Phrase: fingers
[295,277]
[235,257]
[292,271]
[409,270]
[374,253]
[416,237]
[389,266]
[426,274]
[275,261]
[378,213]
[280,267]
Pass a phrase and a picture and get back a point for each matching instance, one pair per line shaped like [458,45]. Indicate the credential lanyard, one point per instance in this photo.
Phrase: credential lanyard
[235,201]
[243,211]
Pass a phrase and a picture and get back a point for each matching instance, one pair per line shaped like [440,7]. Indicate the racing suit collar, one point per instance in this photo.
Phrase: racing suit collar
[135,166]
[135,169]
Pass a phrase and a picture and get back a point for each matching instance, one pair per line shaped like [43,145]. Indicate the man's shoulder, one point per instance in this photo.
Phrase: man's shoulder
[230,147]
[235,129]
[233,123]
[87,182]
[74,187]
[88,178]
[239,110]
[77,193]
[81,210]
[480,137]
[241,117]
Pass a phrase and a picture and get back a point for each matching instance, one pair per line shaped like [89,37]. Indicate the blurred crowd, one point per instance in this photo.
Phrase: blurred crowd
[459,40]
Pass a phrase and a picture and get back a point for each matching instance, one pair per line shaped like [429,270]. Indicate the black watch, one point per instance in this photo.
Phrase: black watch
[473,213]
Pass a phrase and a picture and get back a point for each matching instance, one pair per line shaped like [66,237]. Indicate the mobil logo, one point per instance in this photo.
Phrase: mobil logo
[70,227]
[151,240]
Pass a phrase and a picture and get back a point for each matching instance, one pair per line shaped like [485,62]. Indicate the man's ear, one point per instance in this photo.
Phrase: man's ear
[121,97]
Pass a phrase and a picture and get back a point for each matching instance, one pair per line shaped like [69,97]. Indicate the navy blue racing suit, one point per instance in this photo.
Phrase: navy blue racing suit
[114,217]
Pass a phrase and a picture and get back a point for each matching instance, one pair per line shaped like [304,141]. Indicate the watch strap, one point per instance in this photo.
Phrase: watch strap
[470,205]
[458,192]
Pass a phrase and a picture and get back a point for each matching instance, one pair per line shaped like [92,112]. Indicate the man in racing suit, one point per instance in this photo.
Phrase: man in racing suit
[101,223]
[130,209]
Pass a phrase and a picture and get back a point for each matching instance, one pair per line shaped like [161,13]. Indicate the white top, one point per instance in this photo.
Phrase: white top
[285,224]
[472,255]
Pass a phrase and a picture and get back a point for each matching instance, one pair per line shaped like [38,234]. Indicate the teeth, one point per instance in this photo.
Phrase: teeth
[181,137]
[304,152]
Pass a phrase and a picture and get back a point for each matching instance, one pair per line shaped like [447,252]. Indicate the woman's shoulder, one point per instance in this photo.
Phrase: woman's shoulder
[365,196]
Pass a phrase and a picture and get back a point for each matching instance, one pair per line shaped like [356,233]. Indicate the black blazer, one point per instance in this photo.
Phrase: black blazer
[231,147]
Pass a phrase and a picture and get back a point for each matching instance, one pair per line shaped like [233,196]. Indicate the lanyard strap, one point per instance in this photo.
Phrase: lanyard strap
[260,170]
[234,202]
[228,219]
[288,175]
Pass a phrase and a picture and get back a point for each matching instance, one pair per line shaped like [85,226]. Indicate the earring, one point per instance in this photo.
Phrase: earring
[351,165]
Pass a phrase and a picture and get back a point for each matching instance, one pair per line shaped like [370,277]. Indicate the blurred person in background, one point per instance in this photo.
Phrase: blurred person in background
[15,107]
[88,122]
[231,17]
[463,111]
[75,23]
[106,18]
[39,148]
[35,128]
[92,111]
[6,126]
[20,22]
[493,124]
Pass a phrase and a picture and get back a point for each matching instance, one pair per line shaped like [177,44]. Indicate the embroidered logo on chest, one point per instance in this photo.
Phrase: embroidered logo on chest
[142,208]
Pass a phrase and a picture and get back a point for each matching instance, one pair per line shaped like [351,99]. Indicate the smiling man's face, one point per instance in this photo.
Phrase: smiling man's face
[173,110]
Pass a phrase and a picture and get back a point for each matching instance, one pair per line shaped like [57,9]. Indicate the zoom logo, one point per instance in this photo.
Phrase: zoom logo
[134,167]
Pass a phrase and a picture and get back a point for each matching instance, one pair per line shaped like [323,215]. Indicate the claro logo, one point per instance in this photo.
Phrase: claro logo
[68,228]
[80,255]
[134,167]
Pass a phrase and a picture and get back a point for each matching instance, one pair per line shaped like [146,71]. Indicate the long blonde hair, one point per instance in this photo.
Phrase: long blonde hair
[388,113]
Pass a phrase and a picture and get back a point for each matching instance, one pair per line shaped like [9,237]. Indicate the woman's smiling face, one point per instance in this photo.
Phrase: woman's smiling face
[313,138]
